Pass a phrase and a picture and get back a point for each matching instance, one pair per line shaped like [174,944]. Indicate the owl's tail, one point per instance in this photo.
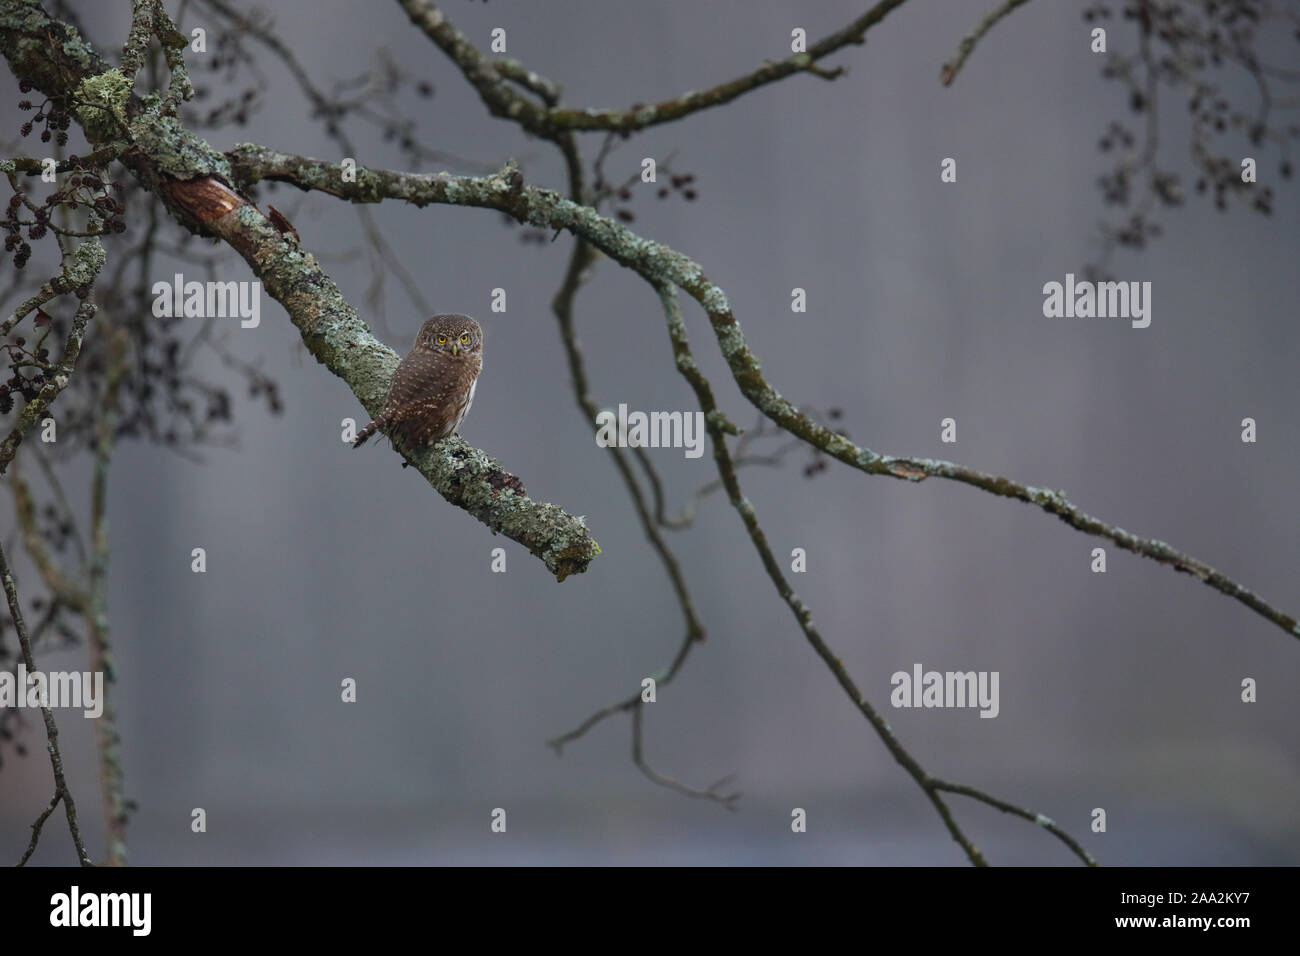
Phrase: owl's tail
[366,433]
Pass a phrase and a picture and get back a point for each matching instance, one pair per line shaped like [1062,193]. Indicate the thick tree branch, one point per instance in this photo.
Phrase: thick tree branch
[340,340]
[191,180]
[659,265]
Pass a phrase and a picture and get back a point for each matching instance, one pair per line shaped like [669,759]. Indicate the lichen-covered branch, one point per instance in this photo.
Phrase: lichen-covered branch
[79,272]
[94,160]
[137,37]
[659,265]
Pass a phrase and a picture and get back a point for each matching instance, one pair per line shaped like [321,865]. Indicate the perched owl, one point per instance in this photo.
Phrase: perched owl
[434,385]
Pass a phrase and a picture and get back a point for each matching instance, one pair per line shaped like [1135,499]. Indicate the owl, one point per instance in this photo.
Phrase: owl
[434,384]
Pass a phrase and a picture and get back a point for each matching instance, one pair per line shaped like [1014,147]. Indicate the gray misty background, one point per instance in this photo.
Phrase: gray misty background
[1118,691]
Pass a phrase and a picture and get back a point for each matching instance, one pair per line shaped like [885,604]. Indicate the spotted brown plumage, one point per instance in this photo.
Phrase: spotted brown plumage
[433,387]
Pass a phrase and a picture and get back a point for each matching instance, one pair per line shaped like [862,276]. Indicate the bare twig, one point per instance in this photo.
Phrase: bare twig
[61,789]
[1046,823]
[964,49]
[715,791]
[108,740]
[62,586]
[690,370]
[581,261]
[547,121]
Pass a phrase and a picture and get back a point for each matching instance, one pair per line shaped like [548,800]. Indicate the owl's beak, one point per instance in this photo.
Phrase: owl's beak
[455,348]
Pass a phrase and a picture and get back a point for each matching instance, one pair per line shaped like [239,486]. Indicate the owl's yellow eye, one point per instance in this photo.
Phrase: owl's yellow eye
[442,340]
[464,338]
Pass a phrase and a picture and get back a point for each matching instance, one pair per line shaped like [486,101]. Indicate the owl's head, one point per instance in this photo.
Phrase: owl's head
[454,333]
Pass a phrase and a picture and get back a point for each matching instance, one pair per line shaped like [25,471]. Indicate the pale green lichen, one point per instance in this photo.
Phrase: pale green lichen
[88,259]
[717,421]
[101,104]
[714,301]
[177,151]
[731,341]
